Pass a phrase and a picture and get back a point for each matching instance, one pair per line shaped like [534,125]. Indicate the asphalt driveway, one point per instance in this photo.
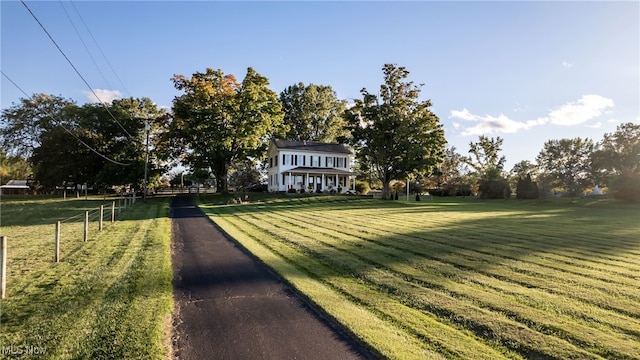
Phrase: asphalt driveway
[231,306]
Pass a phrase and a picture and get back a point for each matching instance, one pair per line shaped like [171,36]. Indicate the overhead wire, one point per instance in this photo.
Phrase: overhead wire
[75,69]
[100,48]
[84,45]
[58,122]
[101,52]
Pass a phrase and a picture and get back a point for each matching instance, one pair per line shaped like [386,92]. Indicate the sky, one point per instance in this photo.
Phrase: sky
[527,72]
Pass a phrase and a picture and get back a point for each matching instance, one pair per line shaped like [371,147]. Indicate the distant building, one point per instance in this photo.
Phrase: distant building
[310,166]
[15,187]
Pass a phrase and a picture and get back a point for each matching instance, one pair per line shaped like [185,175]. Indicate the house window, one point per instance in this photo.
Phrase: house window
[275,160]
[340,163]
[284,159]
[284,179]
[270,162]
[329,161]
[315,161]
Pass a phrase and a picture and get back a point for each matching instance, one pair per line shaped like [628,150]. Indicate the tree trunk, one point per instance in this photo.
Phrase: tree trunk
[221,171]
[386,190]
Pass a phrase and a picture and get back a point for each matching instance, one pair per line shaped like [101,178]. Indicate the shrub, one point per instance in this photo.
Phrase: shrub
[627,189]
[494,189]
[362,187]
[527,189]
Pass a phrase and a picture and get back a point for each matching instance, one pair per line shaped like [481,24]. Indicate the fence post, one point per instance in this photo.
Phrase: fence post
[57,246]
[86,226]
[113,211]
[101,216]
[3,267]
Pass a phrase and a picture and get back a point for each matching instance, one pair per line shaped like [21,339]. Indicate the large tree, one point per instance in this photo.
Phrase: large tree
[486,160]
[617,161]
[219,121]
[394,133]
[22,125]
[312,113]
[568,163]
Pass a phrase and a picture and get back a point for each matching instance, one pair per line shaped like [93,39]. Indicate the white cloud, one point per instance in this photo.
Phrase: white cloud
[103,95]
[586,108]
[463,114]
[567,65]
[597,125]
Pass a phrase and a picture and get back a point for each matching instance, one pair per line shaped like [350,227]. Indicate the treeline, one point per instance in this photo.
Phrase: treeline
[219,128]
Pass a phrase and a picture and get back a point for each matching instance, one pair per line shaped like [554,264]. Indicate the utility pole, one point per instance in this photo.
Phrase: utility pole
[146,162]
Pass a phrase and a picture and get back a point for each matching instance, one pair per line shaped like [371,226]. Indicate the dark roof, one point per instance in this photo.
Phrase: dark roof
[311,146]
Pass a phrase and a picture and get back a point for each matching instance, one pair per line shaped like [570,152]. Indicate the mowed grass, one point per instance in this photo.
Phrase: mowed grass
[107,298]
[458,278]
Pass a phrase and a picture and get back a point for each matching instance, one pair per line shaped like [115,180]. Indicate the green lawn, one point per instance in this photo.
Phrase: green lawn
[107,298]
[458,278]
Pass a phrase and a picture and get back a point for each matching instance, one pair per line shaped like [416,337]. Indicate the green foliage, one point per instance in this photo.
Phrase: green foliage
[494,186]
[617,161]
[568,163]
[13,168]
[394,133]
[22,125]
[526,188]
[218,121]
[486,155]
[485,159]
[362,187]
[313,113]
[67,144]
[627,188]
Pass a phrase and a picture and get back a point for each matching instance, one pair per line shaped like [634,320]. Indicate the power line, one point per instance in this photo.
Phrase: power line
[85,45]
[74,68]
[100,48]
[64,127]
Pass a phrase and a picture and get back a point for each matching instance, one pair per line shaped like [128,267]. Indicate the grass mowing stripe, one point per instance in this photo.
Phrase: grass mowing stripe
[62,305]
[350,265]
[486,238]
[601,293]
[445,270]
[500,301]
[474,255]
[380,335]
[541,320]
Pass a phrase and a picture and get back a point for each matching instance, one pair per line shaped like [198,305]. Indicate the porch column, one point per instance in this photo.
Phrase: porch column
[289,186]
[353,184]
[335,183]
[305,183]
[322,183]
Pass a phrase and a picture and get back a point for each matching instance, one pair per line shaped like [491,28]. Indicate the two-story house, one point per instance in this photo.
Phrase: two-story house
[310,166]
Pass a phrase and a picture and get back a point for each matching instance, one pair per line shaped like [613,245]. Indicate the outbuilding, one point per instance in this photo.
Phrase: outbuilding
[15,187]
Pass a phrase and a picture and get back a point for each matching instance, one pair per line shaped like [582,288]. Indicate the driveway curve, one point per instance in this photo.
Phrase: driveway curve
[228,305]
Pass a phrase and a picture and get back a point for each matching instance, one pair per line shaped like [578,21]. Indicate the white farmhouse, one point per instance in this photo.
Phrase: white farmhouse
[310,166]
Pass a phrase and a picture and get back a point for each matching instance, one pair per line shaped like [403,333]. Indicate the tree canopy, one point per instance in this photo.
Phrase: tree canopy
[219,121]
[98,144]
[22,125]
[568,163]
[394,133]
[485,159]
[312,113]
